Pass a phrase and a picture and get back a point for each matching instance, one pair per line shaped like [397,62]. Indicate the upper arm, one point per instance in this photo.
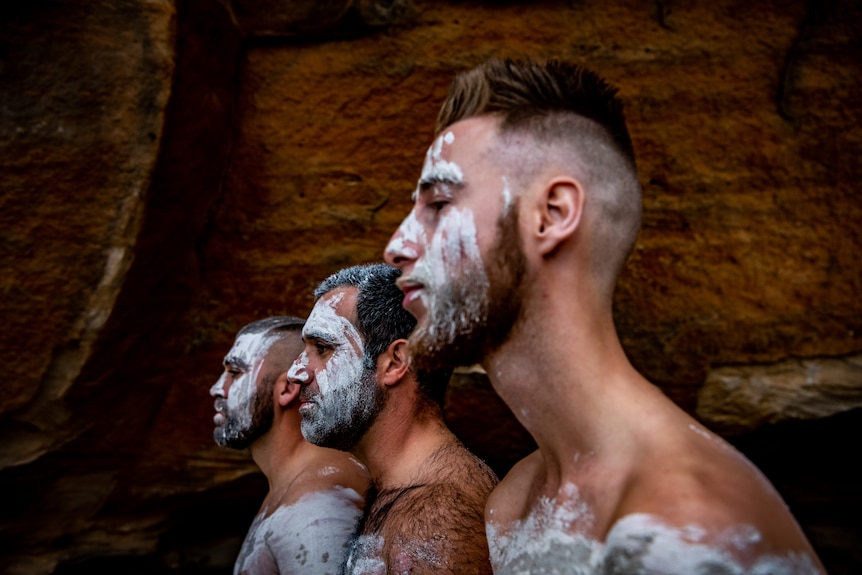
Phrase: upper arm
[436,529]
[311,535]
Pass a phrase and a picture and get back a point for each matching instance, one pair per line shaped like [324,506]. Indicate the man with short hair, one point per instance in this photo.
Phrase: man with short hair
[525,213]
[359,393]
[315,496]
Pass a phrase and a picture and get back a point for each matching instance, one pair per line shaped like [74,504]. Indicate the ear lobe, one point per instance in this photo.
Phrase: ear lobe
[285,391]
[393,364]
[560,214]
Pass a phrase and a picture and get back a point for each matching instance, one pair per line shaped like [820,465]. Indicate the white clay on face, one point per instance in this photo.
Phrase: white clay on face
[344,366]
[342,397]
[297,371]
[452,252]
[248,351]
[410,233]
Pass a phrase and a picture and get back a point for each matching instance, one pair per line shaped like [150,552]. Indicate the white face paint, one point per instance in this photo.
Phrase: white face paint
[451,271]
[236,389]
[344,366]
[555,538]
[337,398]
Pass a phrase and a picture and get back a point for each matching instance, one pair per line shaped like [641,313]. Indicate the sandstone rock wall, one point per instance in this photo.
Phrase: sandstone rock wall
[172,171]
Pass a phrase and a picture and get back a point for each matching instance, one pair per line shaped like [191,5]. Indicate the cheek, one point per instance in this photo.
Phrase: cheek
[240,392]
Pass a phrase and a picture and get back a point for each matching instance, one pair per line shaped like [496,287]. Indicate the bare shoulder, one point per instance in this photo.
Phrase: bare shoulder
[436,526]
[704,494]
[330,471]
[511,498]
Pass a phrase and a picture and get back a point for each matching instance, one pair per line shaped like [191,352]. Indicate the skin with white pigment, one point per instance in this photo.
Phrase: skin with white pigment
[623,481]
[425,511]
[315,496]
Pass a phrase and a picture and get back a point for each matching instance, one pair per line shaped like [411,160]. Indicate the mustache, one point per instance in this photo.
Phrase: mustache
[220,405]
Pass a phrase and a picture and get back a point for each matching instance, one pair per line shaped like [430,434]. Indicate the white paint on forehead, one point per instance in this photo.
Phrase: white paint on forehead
[438,169]
[248,351]
[297,369]
[344,367]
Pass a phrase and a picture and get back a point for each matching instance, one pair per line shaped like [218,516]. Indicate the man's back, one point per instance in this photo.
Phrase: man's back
[435,525]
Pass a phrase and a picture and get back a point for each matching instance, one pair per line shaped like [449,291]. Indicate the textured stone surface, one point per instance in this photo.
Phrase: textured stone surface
[83,95]
[316,19]
[741,398]
[276,160]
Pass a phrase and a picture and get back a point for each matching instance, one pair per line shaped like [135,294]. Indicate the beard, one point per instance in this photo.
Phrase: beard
[234,433]
[340,419]
[472,313]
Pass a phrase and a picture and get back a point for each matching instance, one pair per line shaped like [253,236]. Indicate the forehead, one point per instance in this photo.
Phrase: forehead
[332,313]
[473,137]
[249,346]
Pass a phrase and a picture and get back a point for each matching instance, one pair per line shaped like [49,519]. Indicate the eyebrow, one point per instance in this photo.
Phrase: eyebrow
[318,335]
[235,361]
[440,178]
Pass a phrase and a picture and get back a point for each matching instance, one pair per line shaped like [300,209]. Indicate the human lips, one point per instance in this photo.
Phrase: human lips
[411,288]
[306,404]
[219,417]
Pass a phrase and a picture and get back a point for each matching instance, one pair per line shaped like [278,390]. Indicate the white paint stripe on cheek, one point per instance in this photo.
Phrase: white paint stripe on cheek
[345,364]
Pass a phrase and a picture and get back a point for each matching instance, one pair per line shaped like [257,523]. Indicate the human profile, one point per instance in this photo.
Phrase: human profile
[315,496]
[425,513]
[526,210]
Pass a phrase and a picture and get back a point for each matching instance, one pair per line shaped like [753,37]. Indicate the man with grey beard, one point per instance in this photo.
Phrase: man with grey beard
[359,393]
[315,496]
[526,210]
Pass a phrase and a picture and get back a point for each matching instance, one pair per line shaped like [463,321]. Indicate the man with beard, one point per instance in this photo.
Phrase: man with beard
[526,210]
[359,393]
[315,496]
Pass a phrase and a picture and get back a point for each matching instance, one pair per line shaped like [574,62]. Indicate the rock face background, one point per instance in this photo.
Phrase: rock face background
[174,170]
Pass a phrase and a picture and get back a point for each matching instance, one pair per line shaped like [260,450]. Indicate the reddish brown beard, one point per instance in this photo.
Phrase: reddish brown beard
[506,271]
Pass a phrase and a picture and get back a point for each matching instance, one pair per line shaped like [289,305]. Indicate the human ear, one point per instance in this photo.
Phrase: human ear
[286,391]
[393,364]
[560,211]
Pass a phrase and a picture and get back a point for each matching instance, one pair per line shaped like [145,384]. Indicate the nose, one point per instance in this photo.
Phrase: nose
[217,390]
[299,372]
[401,251]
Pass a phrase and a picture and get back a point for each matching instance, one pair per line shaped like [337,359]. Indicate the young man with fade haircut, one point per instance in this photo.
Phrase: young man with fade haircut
[359,393]
[315,497]
[526,210]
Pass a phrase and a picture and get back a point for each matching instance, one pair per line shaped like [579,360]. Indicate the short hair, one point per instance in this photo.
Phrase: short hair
[524,92]
[381,319]
[274,324]
[578,113]
[280,326]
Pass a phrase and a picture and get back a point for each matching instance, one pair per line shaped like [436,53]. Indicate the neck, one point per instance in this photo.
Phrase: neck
[564,374]
[280,452]
[401,441]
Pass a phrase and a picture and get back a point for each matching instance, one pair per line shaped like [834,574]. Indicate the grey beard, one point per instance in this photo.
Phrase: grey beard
[344,418]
